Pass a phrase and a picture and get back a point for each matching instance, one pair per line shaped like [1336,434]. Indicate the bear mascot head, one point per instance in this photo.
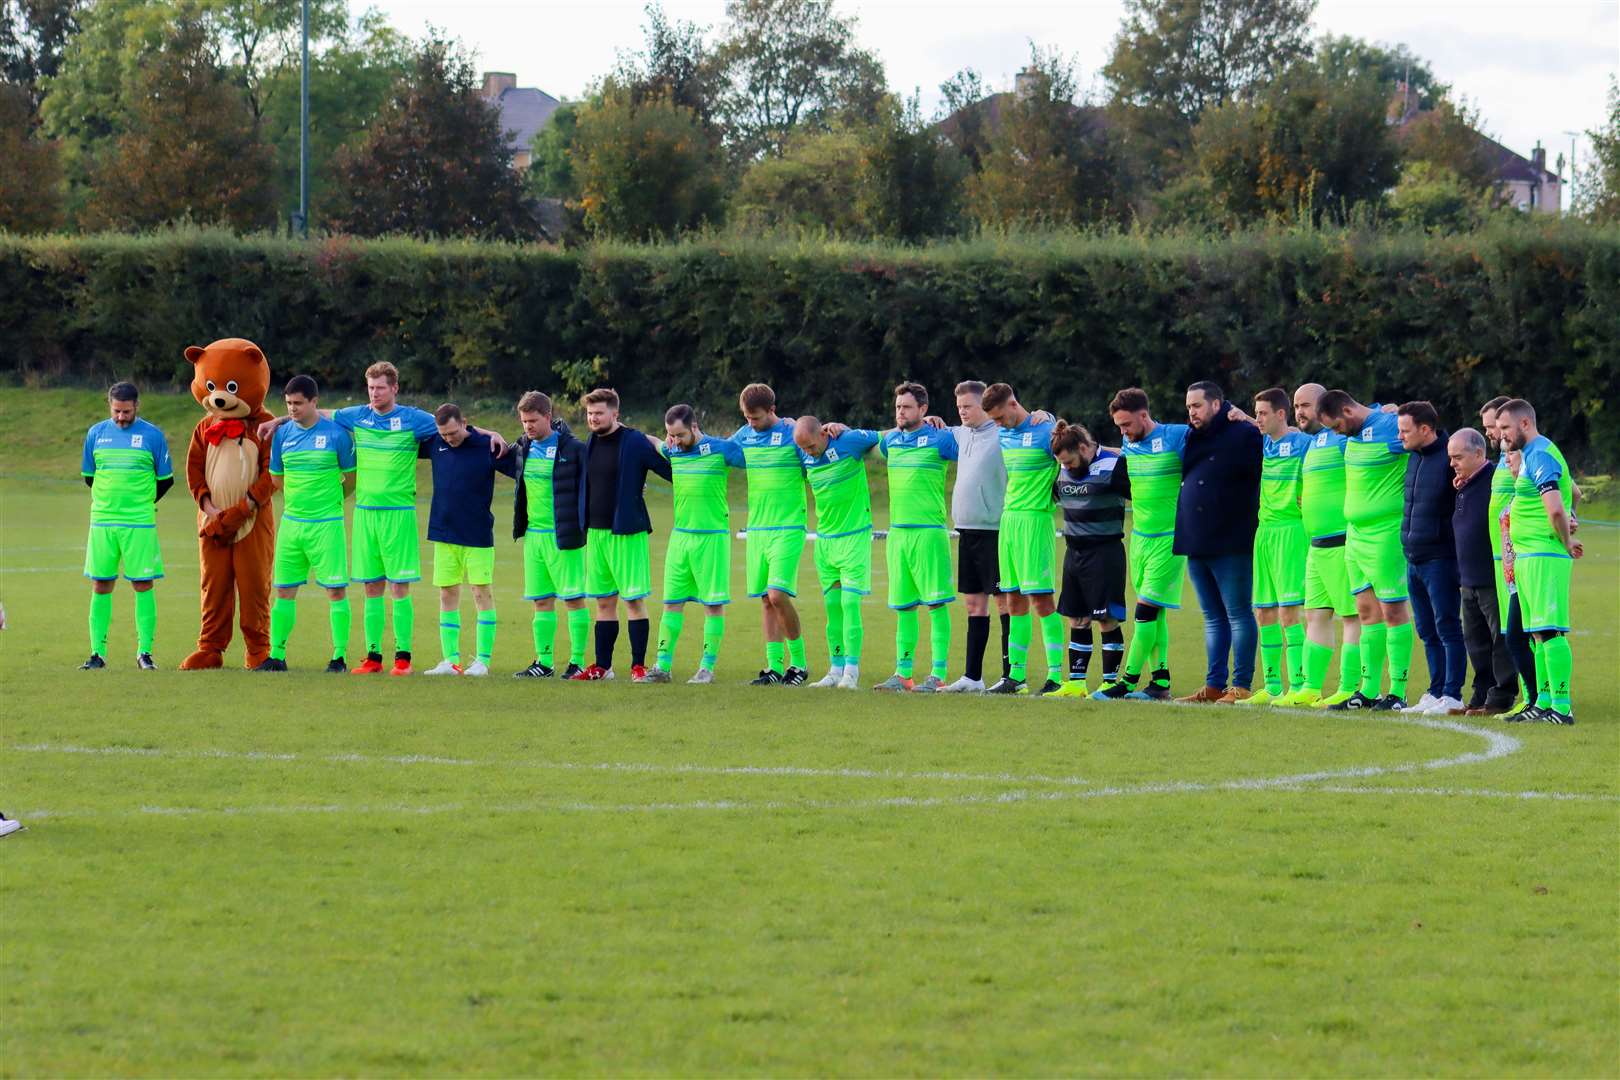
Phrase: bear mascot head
[231,378]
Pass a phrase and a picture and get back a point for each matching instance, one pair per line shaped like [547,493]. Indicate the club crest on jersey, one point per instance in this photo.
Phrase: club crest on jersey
[393,424]
[1029,438]
[320,442]
[923,441]
[703,448]
[776,438]
[551,452]
[135,440]
[1321,440]
[832,455]
[1366,434]
[1286,450]
[1158,445]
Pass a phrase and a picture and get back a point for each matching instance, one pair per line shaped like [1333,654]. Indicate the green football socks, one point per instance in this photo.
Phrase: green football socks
[487,624]
[405,622]
[1349,666]
[1144,639]
[714,631]
[669,635]
[374,618]
[796,653]
[1271,655]
[1294,636]
[775,656]
[283,614]
[1373,654]
[339,616]
[906,633]
[145,620]
[939,640]
[1021,629]
[835,628]
[100,621]
[854,628]
[579,633]
[1399,643]
[1560,663]
[449,634]
[1317,659]
[1056,643]
[545,636]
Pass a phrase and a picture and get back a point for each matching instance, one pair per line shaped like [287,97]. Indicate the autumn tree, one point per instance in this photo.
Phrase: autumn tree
[646,169]
[435,162]
[189,151]
[31,181]
[1600,191]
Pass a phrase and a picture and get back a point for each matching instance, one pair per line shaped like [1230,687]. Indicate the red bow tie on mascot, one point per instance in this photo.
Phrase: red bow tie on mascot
[228,471]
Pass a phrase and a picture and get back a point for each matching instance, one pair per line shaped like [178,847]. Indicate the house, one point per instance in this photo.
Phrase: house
[1522,183]
[524,111]
[971,127]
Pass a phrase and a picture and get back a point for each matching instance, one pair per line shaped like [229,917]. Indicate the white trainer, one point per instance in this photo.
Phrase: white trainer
[964,685]
[851,679]
[1423,704]
[8,825]
[445,667]
[1446,706]
[830,680]
[477,667]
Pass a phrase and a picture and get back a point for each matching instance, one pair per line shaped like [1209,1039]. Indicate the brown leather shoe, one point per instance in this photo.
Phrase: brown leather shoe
[1206,695]
[1479,711]
[1235,695]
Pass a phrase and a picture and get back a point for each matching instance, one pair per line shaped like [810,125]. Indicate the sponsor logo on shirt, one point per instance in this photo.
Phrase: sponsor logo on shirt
[135,441]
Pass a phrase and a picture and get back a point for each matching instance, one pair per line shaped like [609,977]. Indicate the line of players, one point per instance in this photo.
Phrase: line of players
[1328,542]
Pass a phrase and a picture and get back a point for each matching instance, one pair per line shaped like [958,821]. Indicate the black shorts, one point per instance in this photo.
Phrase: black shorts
[1094,582]
[978,567]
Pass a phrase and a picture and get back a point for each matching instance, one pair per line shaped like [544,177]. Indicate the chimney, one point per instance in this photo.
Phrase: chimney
[1538,158]
[1025,83]
[497,83]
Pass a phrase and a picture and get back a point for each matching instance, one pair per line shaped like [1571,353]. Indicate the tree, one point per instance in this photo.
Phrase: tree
[675,63]
[33,36]
[1346,57]
[31,182]
[1434,199]
[435,162]
[787,63]
[814,185]
[1448,137]
[1311,143]
[1174,59]
[190,151]
[960,96]
[913,181]
[265,37]
[551,156]
[1600,191]
[644,170]
[1049,161]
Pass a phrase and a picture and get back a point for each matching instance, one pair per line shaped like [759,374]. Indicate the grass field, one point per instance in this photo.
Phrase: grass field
[231,874]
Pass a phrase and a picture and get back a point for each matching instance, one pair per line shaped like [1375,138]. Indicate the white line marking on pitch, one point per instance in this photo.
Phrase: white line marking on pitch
[1497,745]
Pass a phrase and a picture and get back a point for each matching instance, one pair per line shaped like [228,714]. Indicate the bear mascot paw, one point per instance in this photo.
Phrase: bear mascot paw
[228,471]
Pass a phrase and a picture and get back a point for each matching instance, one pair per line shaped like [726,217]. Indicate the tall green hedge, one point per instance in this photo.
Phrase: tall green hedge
[1065,319]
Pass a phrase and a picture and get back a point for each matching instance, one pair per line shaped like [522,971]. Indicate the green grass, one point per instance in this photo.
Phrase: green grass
[228,874]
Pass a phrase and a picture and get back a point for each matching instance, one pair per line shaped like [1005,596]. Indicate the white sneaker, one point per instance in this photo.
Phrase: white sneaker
[1424,704]
[703,677]
[851,679]
[964,685]
[8,825]
[445,668]
[1446,706]
[830,680]
[477,667]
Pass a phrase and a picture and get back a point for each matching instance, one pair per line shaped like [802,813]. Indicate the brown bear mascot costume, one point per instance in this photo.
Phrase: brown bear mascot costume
[228,471]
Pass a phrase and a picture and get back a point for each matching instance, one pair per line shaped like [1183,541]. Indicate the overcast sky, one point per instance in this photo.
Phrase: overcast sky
[1536,68]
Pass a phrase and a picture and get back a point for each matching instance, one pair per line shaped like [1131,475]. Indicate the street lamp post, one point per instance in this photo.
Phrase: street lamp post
[302,222]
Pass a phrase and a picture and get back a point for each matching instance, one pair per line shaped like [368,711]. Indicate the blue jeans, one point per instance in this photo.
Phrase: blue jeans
[1225,587]
[1437,615]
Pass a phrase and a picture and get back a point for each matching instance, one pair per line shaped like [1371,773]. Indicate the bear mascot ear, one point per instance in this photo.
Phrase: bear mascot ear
[194,353]
[252,352]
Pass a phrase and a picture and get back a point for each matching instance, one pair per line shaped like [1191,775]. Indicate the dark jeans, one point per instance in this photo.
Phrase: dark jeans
[1494,685]
[1518,643]
[1225,587]
[1437,614]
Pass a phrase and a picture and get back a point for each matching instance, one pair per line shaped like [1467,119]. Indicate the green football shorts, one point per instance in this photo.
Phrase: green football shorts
[772,556]
[1157,571]
[845,562]
[1373,559]
[1279,565]
[1326,585]
[384,546]
[549,572]
[697,568]
[1027,552]
[1543,582]
[919,563]
[617,565]
[305,546]
[135,547]
[458,564]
